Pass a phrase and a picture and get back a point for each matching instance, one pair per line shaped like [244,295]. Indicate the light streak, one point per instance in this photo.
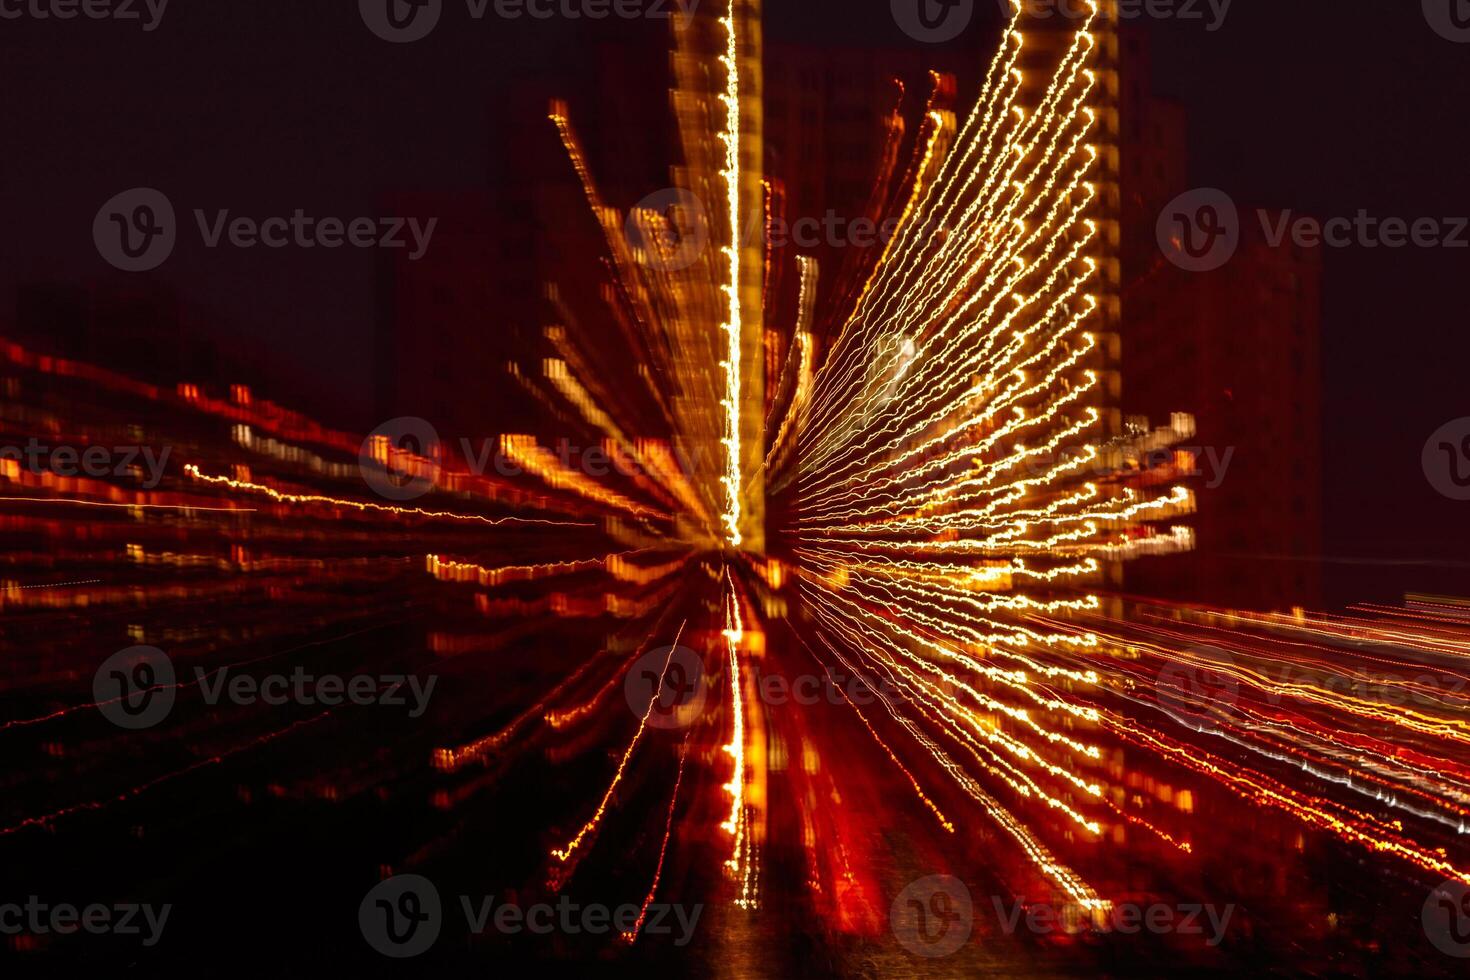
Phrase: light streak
[567,850]
[193,471]
[963,496]
[732,402]
[737,824]
[630,936]
[95,503]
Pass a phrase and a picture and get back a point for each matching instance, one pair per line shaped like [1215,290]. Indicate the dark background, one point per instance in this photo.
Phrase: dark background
[263,107]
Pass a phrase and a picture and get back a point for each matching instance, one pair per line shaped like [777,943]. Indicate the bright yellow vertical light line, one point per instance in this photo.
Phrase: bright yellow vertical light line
[739,863]
[732,325]
[734,633]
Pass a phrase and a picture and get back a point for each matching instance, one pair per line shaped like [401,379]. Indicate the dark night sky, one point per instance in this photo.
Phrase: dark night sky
[1325,106]
[1328,107]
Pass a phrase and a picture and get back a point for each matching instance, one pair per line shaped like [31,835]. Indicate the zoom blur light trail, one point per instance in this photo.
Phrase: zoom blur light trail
[732,403]
[937,467]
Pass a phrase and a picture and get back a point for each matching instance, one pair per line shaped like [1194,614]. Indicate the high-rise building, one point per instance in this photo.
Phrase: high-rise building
[1237,347]
[519,254]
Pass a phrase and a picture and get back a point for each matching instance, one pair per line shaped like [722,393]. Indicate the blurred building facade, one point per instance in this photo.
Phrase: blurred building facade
[509,258]
[1239,348]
